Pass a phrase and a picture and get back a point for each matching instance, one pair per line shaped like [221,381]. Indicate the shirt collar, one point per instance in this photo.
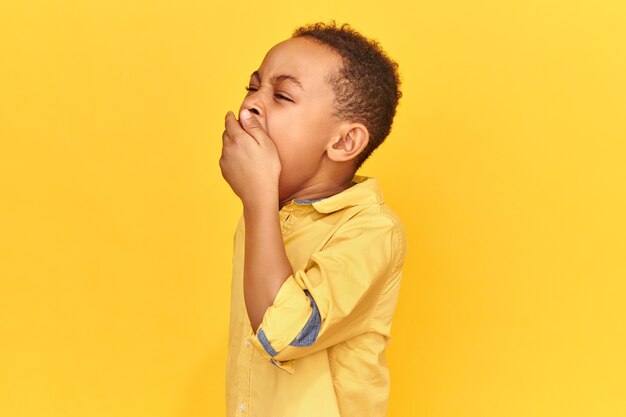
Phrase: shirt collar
[365,191]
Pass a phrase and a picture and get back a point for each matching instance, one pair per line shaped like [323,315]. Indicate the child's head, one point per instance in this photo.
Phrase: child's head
[327,98]
[366,86]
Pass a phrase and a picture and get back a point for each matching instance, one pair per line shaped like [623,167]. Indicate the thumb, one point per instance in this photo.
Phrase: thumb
[252,125]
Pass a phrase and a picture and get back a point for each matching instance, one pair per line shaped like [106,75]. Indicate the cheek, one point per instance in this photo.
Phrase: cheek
[298,131]
[286,132]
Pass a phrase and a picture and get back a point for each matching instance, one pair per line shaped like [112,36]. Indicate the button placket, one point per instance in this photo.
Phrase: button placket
[287,221]
[245,360]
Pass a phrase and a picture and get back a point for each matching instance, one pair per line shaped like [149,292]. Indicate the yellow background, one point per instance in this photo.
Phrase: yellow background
[507,163]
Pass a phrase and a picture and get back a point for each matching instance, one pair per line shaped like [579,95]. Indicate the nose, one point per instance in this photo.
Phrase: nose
[254,102]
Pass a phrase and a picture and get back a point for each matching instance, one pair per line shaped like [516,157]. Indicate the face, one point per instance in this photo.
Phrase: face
[292,100]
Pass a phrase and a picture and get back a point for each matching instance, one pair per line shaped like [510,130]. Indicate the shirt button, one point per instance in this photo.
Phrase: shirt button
[242,406]
[246,343]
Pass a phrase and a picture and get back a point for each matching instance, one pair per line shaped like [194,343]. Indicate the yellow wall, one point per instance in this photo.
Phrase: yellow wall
[507,162]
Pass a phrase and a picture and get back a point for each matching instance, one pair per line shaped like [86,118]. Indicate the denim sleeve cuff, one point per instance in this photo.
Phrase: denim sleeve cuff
[292,320]
[308,334]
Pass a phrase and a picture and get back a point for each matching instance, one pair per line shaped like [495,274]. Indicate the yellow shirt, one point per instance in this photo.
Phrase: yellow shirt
[320,349]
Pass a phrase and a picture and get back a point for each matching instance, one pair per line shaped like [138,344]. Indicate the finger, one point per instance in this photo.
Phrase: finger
[229,113]
[252,126]
[231,124]
[234,128]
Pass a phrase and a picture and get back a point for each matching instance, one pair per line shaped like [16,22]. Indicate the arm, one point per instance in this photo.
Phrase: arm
[266,266]
[251,166]
[346,289]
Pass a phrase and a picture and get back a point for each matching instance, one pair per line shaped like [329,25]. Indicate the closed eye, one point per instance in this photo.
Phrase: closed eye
[281,97]
[277,95]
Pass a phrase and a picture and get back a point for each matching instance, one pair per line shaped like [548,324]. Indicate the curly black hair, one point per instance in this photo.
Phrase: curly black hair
[367,86]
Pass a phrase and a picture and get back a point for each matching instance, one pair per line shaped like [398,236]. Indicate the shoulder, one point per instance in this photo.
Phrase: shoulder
[389,222]
[373,229]
[399,232]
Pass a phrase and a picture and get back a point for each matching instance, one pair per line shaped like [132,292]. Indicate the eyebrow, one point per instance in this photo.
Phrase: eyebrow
[281,77]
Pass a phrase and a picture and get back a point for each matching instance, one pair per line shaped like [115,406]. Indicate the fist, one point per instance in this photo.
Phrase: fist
[249,160]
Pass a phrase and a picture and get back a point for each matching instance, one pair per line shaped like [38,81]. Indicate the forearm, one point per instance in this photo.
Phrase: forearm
[251,166]
[266,266]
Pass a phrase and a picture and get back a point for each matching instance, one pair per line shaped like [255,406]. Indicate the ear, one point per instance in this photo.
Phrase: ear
[352,141]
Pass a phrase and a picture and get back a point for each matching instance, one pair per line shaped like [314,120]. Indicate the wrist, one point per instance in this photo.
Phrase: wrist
[264,202]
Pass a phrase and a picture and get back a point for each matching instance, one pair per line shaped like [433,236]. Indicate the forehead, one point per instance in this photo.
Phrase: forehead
[310,61]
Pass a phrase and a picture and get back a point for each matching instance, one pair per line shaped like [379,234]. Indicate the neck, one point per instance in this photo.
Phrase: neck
[321,189]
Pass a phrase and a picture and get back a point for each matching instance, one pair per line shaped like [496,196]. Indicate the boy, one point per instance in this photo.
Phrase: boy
[318,254]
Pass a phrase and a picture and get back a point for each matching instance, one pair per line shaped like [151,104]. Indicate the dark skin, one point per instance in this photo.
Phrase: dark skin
[251,166]
[280,150]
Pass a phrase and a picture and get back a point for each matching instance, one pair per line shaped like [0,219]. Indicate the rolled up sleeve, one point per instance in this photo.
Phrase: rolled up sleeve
[333,297]
[293,319]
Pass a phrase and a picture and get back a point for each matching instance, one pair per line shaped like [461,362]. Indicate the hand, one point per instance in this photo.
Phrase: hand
[249,161]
